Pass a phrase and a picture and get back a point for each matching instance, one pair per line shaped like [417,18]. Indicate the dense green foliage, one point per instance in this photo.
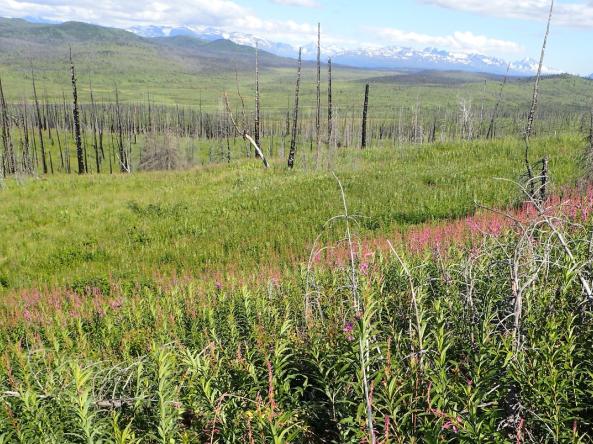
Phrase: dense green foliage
[444,359]
[68,230]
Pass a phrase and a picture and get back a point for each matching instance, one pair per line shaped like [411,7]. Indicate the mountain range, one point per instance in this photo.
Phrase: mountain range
[390,57]
[176,66]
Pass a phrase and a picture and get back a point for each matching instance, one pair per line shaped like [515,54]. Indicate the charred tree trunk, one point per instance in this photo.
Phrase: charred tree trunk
[490,134]
[543,191]
[295,115]
[39,127]
[531,116]
[8,157]
[62,161]
[256,135]
[365,110]
[76,118]
[591,131]
[94,123]
[330,109]
[318,109]
[27,161]
[123,158]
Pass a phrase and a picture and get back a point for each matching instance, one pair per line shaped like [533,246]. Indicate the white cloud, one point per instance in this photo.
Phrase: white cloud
[571,14]
[302,3]
[223,14]
[458,41]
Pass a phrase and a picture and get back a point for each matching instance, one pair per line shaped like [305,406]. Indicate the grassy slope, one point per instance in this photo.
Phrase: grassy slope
[233,218]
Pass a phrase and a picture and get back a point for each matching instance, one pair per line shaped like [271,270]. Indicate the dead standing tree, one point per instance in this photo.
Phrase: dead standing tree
[39,125]
[295,115]
[591,130]
[330,115]
[318,114]
[95,125]
[243,132]
[8,157]
[490,134]
[76,118]
[533,109]
[365,110]
[330,110]
[256,135]
[588,159]
[242,129]
[123,157]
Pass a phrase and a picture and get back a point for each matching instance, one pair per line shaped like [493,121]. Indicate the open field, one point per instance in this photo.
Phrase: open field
[237,218]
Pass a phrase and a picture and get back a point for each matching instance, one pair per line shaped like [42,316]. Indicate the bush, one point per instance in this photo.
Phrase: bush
[160,152]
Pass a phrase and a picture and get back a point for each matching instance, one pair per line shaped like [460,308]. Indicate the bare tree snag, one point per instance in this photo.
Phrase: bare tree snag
[543,191]
[490,134]
[245,134]
[95,124]
[256,135]
[365,110]
[39,126]
[8,157]
[295,115]
[330,109]
[123,158]
[531,116]
[318,109]
[591,131]
[76,117]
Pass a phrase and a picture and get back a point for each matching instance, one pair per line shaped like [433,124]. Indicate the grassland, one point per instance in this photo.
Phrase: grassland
[235,218]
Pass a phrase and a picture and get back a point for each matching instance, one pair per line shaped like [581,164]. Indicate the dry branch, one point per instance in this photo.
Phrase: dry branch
[531,116]
[295,117]
[244,133]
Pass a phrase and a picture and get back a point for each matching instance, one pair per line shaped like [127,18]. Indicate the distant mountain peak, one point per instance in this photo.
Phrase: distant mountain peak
[388,57]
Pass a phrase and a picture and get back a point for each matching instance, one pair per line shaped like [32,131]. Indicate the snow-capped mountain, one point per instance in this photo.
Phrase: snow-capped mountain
[530,66]
[210,34]
[436,59]
[369,57]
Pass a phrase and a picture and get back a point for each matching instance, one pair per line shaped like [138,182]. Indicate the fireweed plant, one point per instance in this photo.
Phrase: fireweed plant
[486,343]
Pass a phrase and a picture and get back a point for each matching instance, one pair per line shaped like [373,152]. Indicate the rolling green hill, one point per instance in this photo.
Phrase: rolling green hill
[108,56]
[186,70]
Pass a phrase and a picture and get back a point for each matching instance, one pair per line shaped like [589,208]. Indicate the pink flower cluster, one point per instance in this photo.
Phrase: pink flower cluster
[349,331]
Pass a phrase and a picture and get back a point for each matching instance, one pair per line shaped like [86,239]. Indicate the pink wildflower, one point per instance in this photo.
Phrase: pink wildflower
[116,304]
[450,426]
[348,331]
[364,268]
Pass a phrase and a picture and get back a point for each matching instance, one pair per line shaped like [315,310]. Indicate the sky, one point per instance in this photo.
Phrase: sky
[509,29]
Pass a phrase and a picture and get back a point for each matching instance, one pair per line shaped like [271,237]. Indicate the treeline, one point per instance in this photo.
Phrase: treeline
[101,136]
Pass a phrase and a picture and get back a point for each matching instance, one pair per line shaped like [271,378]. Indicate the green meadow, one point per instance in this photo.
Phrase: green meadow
[226,219]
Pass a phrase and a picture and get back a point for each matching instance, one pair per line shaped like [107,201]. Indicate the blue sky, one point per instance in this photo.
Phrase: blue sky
[510,29]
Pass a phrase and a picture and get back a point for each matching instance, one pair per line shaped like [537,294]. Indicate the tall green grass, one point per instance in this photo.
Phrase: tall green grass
[434,335]
[235,219]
